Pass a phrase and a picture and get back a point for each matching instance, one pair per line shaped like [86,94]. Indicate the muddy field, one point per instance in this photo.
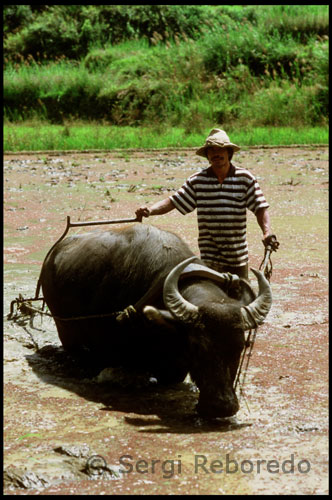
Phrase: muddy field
[67,429]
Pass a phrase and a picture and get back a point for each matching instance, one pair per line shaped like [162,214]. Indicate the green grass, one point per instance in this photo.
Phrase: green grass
[247,66]
[281,136]
[41,137]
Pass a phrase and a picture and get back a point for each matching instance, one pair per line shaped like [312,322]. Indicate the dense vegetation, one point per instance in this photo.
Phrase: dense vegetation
[189,66]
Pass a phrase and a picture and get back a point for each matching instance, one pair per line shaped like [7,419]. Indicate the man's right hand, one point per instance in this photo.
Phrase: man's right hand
[142,212]
[159,208]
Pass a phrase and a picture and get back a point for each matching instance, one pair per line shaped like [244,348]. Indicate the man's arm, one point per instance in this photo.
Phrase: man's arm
[263,219]
[158,208]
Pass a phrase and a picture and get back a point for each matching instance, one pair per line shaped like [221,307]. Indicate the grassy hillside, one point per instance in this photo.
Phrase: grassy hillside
[191,67]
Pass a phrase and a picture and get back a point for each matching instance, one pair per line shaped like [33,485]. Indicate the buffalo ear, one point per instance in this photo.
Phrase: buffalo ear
[159,316]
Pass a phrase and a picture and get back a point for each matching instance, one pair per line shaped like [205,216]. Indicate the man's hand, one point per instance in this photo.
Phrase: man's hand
[159,208]
[142,212]
[271,241]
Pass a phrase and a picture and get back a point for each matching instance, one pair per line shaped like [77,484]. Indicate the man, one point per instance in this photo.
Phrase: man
[221,194]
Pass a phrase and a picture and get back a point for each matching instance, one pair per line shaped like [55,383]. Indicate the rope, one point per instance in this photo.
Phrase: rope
[249,343]
[127,313]
[271,245]
[266,264]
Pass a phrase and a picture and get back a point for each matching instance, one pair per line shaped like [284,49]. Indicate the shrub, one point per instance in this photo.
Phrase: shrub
[99,59]
[15,17]
[233,62]
[74,29]
[48,37]
[283,105]
[292,20]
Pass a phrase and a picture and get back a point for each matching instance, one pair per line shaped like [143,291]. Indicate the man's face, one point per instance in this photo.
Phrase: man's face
[218,157]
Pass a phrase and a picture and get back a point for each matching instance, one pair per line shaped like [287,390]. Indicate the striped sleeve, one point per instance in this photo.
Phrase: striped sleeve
[255,197]
[185,198]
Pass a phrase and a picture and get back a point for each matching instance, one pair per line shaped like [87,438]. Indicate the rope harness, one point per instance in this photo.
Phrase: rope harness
[24,307]
[271,245]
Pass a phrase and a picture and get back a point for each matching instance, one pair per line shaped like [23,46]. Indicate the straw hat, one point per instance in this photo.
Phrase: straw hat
[219,138]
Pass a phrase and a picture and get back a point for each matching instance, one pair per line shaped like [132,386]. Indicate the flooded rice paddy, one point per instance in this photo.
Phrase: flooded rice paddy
[70,430]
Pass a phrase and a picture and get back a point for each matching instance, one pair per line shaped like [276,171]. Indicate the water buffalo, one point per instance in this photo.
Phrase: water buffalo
[187,318]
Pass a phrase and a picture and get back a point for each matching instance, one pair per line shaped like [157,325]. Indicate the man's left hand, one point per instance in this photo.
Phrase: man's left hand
[271,241]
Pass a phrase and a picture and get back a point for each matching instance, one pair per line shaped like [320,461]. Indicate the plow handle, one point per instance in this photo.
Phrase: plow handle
[98,223]
[79,224]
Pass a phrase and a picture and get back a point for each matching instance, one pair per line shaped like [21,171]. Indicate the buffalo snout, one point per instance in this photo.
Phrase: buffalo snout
[213,405]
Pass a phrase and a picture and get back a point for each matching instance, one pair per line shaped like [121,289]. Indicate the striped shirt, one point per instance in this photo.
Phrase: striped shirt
[221,212]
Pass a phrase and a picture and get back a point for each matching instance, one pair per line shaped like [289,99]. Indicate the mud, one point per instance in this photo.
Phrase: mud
[71,430]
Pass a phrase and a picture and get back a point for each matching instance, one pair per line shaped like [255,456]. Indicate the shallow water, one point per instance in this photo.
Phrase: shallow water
[58,415]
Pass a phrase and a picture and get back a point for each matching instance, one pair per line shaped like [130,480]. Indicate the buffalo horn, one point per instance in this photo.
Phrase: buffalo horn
[205,272]
[255,313]
[180,308]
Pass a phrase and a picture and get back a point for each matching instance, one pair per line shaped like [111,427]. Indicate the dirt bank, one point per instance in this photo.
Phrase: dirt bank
[58,416]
